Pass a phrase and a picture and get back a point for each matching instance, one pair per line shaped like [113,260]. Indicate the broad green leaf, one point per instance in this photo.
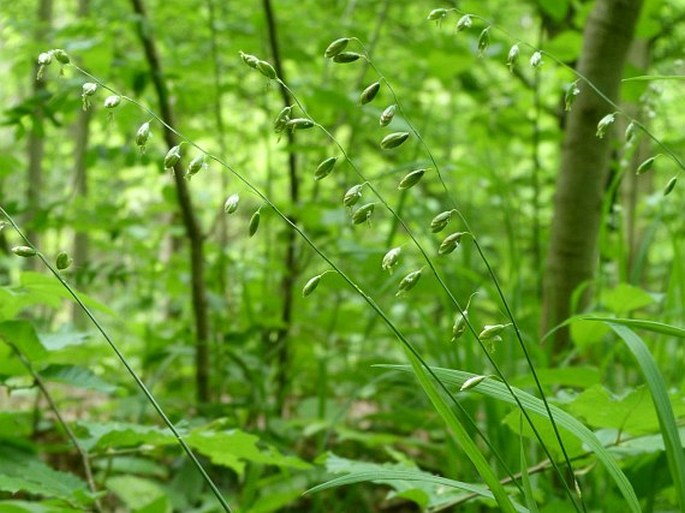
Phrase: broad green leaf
[61,339]
[15,423]
[21,472]
[532,404]
[233,448]
[632,412]
[463,439]
[138,493]
[35,507]
[76,376]
[120,434]
[555,9]
[624,298]
[667,422]
[586,334]
[576,377]
[23,335]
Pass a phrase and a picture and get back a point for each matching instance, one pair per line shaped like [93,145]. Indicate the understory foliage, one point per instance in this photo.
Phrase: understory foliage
[373,186]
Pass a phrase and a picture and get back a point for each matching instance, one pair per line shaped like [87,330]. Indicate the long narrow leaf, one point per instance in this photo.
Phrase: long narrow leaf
[532,404]
[653,326]
[463,439]
[407,475]
[662,404]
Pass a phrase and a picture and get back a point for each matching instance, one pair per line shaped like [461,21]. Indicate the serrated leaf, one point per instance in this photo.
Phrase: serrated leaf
[120,434]
[21,472]
[233,448]
[76,376]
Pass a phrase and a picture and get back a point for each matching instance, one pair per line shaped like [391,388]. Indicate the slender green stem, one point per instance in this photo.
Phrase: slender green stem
[83,454]
[507,307]
[444,286]
[186,448]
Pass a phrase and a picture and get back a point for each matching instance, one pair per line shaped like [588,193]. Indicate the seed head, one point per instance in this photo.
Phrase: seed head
[45,58]
[464,22]
[450,243]
[391,259]
[490,331]
[299,123]
[63,261]
[370,93]
[143,135]
[172,157]
[631,131]
[484,41]
[411,179]
[267,70]
[24,251]
[325,168]
[346,57]
[646,165]
[670,186]
[249,59]
[472,382]
[311,285]
[536,59]
[408,282]
[112,101]
[61,56]
[440,221]
[394,140]
[437,14]
[336,47]
[363,213]
[604,125]
[88,89]
[459,325]
[513,57]
[387,115]
[571,94]
[352,195]
[254,223]
[196,165]
[282,118]
[231,204]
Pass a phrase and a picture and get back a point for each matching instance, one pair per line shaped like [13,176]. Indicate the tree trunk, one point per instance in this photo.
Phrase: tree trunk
[290,264]
[81,133]
[190,222]
[36,145]
[572,253]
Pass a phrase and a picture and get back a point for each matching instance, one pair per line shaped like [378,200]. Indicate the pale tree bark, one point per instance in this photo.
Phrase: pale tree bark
[36,145]
[572,255]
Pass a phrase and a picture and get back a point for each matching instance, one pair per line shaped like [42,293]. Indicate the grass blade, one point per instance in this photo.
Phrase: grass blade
[657,388]
[406,475]
[653,326]
[532,404]
[463,439]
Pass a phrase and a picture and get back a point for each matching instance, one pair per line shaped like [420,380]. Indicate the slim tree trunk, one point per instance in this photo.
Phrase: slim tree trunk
[36,145]
[190,221]
[290,267]
[81,133]
[572,253]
